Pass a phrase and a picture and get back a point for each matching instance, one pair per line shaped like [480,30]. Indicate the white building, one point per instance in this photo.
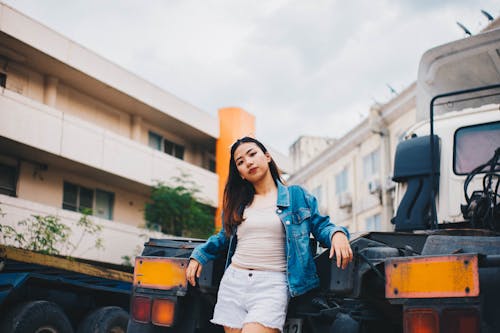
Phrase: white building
[307,147]
[77,131]
[351,177]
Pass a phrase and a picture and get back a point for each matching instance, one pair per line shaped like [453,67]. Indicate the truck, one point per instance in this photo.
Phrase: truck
[55,294]
[438,271]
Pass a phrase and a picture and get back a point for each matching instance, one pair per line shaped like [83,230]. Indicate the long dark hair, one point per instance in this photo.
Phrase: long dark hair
[239,192]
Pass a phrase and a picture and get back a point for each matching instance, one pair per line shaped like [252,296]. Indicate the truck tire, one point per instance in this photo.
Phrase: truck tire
[37,316]
[108,319]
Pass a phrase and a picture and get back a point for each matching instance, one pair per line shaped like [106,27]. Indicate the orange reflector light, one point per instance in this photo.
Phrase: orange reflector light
[141,309]
[421,321]
[461,321]
[161,273]
[436,276]
[163,312]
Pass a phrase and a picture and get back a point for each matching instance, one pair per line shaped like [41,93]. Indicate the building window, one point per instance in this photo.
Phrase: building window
[157,142]
[104,204]
[78,199]
[371,164]
[341,182]
[317,193]
[8,180]
[173,149]
[154,141]
[3,80]
[211,164]
[373,222]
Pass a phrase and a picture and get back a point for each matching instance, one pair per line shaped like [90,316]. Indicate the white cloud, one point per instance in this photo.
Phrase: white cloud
[301,67]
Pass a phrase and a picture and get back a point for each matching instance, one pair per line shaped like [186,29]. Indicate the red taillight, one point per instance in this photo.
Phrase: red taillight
[421,321]
[461,321]
[163,313]
[141,309]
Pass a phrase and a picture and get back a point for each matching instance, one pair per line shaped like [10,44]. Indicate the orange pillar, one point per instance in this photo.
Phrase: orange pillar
[234,123]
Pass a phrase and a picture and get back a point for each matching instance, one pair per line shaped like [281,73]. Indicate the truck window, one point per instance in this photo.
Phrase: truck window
[475,145]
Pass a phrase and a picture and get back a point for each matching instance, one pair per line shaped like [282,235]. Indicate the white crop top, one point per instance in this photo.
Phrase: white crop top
[261,240]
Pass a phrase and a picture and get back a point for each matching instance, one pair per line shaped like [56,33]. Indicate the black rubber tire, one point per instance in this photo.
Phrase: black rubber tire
[108,319]
[36,316]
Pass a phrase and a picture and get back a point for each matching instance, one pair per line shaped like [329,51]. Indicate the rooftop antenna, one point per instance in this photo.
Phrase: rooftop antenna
[488,15]
[464,28]
[391,89]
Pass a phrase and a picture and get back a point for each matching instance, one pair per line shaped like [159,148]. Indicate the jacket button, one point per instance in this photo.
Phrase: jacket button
[278,211]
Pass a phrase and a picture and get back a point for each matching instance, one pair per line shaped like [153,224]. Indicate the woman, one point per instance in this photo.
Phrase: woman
[266,228]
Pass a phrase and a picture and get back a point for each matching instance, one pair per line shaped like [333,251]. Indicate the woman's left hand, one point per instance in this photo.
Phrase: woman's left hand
[341,249]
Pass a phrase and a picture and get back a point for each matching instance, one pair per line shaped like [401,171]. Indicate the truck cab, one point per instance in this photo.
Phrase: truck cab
[458,100]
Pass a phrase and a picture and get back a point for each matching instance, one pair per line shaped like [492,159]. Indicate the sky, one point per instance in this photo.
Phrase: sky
[310,67]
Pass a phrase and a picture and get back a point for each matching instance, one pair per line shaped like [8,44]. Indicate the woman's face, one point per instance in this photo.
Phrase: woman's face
[252,163]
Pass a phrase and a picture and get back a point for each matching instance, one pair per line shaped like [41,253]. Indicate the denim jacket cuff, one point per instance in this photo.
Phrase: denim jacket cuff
[341,229]
[198,255]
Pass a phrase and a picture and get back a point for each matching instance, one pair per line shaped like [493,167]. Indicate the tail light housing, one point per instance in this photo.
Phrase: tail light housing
[421,321]
[141,309]
[448,320]
[464,320]
[163,312]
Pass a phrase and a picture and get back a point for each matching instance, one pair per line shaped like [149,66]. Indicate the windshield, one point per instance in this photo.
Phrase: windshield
[475,145]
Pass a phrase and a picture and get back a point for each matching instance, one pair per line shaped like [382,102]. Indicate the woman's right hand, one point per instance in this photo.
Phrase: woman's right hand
[193,270]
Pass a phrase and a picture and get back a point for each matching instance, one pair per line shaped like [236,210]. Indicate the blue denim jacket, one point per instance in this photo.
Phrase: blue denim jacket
[298,211]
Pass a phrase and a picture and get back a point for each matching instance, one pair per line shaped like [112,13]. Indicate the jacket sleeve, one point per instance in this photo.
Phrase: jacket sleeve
[212,248]
[321,226]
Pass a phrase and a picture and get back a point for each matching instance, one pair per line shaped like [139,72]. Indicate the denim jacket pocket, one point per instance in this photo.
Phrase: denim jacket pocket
[295,225]
[300,215]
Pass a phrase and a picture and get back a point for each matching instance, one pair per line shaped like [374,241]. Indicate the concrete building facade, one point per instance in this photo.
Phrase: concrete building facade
[307,147]
[351,177]
[77,131]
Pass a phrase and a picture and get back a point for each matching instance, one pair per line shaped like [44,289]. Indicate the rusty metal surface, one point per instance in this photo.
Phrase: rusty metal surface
[21,255]
[161,273]
[432,276]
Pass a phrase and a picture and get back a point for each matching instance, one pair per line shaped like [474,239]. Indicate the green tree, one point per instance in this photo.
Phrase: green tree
[177,210]
[47,234]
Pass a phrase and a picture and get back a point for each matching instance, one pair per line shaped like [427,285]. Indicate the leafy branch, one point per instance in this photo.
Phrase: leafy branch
[47,234]
[177,210]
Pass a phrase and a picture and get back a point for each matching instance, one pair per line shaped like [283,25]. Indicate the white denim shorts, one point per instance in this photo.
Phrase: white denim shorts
[251,296]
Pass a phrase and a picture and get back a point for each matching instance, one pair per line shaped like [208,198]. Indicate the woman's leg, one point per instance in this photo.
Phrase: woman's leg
[258,328]
[231,330]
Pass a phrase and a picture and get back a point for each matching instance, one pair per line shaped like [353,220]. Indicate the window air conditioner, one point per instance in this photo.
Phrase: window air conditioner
[374,186]
[345,200]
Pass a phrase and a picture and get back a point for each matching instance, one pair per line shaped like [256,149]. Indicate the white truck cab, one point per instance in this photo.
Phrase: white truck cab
[458,100]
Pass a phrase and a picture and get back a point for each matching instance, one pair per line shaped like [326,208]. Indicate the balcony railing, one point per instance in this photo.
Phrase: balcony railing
[34,124]
[119,239]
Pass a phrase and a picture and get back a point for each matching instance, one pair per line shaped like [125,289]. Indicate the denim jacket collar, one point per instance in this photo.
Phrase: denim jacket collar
[283,195]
